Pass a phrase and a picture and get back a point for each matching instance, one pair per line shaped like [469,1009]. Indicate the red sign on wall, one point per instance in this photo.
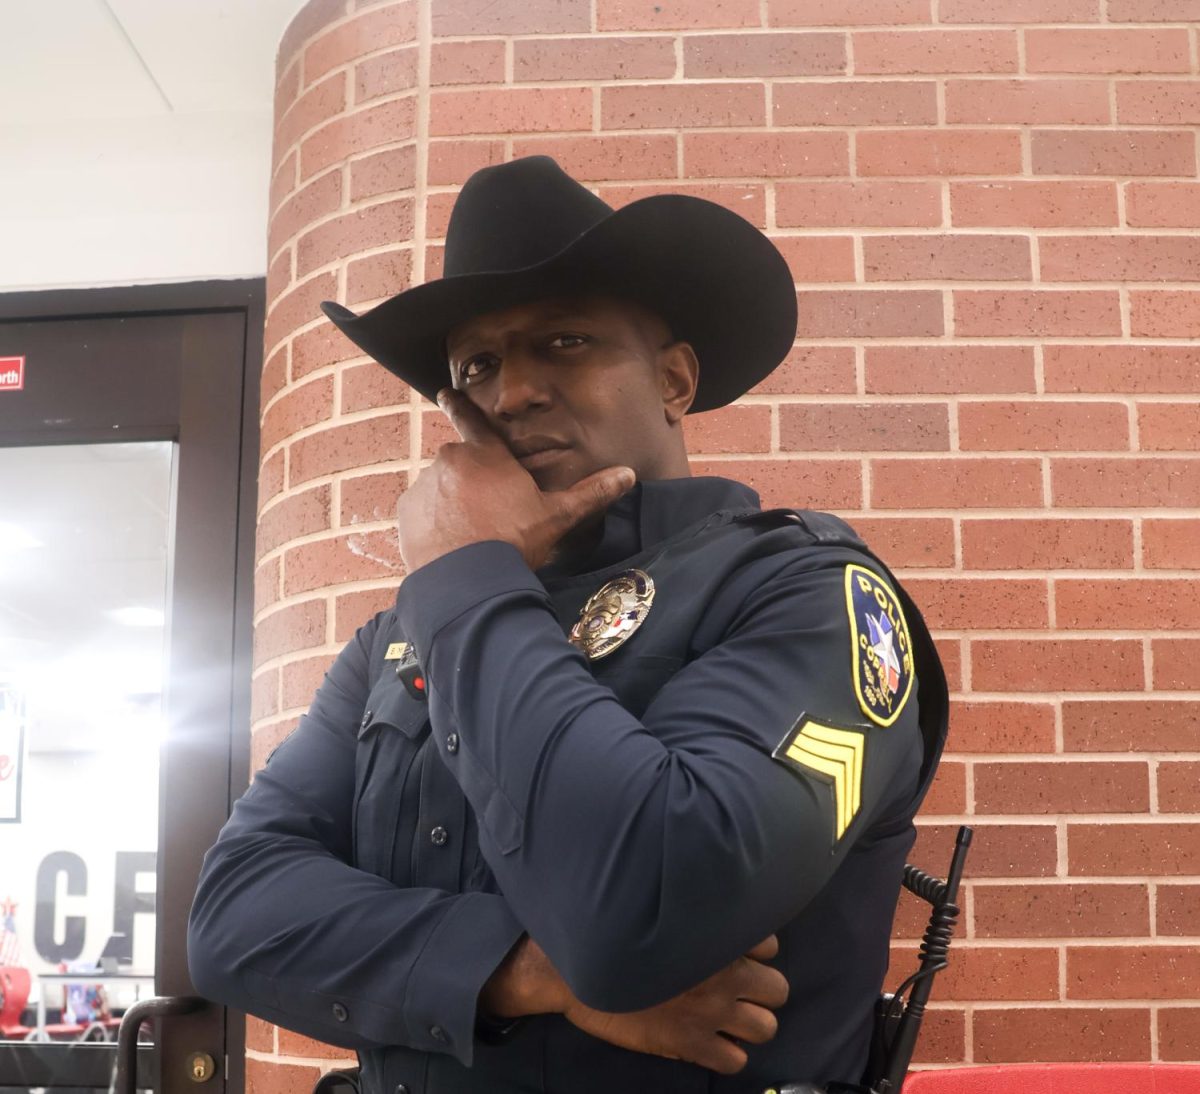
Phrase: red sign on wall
[12,373]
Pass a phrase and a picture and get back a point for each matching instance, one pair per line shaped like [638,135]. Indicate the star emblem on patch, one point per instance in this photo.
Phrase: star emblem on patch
[883,645]
[881,649]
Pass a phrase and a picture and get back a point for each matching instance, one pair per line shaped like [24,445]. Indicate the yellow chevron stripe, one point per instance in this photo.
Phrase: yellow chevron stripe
[836,770]
[847,739]
[838,755]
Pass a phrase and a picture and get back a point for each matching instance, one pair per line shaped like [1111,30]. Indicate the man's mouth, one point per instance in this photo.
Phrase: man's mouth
[535,452]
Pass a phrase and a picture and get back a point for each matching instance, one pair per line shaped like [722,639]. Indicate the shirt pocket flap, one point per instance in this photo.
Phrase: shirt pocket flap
[389,704]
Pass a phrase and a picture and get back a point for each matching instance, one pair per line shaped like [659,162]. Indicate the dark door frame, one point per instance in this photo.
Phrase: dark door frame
[215,421]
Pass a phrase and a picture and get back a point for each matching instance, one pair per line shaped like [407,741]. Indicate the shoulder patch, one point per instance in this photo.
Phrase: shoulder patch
[881,657]
[834,754]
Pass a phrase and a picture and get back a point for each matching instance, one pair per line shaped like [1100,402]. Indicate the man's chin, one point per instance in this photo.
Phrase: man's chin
[554,481]
[559,475]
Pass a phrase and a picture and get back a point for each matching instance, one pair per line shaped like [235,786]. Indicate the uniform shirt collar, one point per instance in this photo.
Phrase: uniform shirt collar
[653,511]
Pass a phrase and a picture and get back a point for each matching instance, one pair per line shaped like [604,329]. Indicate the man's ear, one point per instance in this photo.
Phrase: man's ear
[679,372]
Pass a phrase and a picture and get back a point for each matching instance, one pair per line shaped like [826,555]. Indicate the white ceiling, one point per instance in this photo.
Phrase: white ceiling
[135,139]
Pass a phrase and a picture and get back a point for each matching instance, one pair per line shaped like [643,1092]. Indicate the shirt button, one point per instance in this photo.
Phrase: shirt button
[366,719]
[438,836]
[452,743]
[340,1012]
[437,1033]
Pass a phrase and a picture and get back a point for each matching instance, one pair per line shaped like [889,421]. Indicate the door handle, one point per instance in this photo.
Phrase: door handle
[162,1006]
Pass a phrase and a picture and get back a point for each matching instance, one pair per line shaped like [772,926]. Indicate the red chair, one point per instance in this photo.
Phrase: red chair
[1058,1079]
[14,995]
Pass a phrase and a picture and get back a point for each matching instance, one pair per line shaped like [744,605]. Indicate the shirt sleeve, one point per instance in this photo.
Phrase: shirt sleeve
[667,845]
[285,928]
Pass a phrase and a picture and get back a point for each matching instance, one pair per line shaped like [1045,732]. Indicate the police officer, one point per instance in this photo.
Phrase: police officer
[618,795]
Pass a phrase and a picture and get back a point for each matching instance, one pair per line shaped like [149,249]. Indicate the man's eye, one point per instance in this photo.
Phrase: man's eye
[474,367]
[567,341]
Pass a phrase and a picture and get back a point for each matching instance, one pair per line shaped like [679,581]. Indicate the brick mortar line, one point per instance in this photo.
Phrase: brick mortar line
[353,418]
[1138,546]
[348,111]
[985,821]
[1095,574]
[347,68]
[420,240]
[909,573]
[330,649]
[1093,881]
[313,1062]
[1133,422]
[971,760]
[978,456]
[1123,399]
[290,336]
[822,79]
[302,46]
[1031,514]
[1049,942]
[980,128]
[321,537]
[794,28]
[1068,696]
[1076,634]
[1074,1003]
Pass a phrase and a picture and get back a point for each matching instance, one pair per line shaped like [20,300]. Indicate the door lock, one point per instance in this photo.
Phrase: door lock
[201,1067]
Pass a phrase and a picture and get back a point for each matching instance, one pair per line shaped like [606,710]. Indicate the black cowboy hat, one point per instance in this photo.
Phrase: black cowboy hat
[524,230]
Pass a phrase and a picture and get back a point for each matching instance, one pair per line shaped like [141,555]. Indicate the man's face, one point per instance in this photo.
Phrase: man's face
[573,385]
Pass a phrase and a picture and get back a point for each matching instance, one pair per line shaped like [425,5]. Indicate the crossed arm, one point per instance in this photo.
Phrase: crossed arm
[284,927]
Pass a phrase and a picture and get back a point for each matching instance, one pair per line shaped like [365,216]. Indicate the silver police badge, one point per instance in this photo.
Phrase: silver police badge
[612,614]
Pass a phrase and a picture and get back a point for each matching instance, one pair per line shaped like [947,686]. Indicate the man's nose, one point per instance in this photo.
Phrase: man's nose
[521,385]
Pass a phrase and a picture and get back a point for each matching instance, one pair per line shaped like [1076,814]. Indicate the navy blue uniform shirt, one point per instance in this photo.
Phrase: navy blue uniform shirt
[748,762]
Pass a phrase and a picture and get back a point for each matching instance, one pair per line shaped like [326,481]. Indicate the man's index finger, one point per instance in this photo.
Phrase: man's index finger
[467,418]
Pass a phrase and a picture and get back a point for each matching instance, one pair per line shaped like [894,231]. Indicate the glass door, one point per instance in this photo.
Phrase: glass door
[127,460]
[84,541]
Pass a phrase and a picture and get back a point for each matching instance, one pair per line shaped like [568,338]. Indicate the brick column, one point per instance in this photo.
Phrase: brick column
[989,207]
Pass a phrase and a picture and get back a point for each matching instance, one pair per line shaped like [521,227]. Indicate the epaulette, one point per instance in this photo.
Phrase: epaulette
[825,528]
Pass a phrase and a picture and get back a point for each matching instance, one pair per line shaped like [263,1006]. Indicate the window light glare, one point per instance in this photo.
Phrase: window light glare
[136,617]
[14,538]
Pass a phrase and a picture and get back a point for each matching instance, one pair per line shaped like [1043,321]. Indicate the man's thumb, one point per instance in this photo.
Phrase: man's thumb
[590,495]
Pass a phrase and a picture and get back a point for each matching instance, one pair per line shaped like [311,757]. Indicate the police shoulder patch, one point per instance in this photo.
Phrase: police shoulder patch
[881,657]
[832,753]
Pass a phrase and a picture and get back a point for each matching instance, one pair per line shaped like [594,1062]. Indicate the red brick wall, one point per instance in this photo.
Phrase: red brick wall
[988,206]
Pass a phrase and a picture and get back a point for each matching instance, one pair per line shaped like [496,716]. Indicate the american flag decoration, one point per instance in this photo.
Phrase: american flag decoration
[10,945]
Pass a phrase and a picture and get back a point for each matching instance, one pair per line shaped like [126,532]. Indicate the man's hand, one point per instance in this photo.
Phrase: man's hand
[476,490]
[696,1026]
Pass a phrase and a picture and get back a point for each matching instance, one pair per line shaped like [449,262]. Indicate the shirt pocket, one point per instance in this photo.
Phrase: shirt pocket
[390,734]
